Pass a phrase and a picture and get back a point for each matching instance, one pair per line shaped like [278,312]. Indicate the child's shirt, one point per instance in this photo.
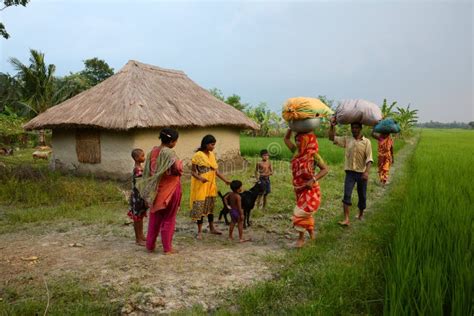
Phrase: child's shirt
[137,204]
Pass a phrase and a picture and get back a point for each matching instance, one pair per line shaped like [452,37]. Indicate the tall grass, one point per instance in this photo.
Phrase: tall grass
[430,271]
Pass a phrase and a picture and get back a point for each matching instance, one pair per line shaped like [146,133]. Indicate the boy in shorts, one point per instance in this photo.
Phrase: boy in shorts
[233,201]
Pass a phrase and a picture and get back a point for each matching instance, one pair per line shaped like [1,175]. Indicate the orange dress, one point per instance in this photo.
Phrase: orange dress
[385,157]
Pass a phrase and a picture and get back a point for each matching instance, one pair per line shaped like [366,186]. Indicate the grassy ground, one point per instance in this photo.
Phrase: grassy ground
[342,272]
[36,200]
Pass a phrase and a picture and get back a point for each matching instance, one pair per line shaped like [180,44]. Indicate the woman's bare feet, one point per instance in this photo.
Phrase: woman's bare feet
[245,240]
[171,252]
[199,236]
[299,243]
[344,223]
[141,242]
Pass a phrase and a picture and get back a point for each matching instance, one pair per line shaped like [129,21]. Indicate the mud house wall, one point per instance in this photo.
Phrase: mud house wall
[227,146]
[115,154]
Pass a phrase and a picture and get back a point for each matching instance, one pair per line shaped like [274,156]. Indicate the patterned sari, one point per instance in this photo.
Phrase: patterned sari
[203,195]
[151,178]
[302,165]
[385,157]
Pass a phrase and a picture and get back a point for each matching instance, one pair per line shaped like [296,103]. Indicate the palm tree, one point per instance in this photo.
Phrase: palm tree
[37,84]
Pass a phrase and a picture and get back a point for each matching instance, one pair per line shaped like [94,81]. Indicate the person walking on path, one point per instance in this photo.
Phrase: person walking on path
[357,163]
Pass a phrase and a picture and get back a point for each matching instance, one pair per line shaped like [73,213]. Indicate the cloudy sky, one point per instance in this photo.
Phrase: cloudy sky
[414,52]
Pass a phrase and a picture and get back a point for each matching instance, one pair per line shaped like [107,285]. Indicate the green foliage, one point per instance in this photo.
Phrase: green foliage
[36,82]
[96,70]
[11,125]
[9,3]
[69,86]
[407,119]
[267,120]
[429,271]
[232,100]
[387,110]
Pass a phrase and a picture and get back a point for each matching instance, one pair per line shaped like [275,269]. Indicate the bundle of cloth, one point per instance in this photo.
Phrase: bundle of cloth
[302,108]
[387,126]
[358,111]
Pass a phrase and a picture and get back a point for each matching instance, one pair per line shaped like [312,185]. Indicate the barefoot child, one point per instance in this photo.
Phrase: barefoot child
[138,206]
[234,202]
[385,155]
[263,171]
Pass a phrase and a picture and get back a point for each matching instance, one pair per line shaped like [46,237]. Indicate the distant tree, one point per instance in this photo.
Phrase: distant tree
[36,84]
[10,93]
[264,117]
[69,86]
[217,93]
[329,102]
[234,100]
[471,124]
[6,4]
[96,70]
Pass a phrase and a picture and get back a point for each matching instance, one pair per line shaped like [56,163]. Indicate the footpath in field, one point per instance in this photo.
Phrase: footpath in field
[94,259]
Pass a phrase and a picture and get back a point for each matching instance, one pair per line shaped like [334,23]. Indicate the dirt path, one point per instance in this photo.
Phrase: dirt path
[197,276]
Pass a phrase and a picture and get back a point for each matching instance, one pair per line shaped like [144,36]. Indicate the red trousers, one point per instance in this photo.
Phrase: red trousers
[163,221]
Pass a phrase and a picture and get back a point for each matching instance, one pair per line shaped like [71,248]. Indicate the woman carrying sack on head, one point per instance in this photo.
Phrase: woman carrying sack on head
[305,182]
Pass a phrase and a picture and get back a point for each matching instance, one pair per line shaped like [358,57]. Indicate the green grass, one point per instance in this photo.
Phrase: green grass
[251,146]
[341,273]
[430,266]
[67,296]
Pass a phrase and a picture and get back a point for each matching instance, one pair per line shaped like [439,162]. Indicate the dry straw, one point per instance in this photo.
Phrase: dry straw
[142,96]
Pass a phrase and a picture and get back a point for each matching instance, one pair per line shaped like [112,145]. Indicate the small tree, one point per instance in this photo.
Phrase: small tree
[96,70]
[387,110]
[407,119]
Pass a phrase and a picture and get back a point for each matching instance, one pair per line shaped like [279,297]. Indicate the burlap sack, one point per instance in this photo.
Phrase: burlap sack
[358,111]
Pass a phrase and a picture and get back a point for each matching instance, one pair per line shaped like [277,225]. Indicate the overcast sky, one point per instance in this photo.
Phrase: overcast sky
[414,52]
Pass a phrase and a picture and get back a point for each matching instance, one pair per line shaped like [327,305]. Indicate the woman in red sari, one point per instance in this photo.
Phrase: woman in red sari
[161,188]
[305,181]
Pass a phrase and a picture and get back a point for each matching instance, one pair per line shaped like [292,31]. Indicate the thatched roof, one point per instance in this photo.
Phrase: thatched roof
[142,96]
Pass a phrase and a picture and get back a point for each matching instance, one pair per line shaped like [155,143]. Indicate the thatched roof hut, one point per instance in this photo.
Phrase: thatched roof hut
[125,111]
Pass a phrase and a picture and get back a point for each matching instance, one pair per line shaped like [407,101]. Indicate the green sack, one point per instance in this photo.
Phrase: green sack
[387,126]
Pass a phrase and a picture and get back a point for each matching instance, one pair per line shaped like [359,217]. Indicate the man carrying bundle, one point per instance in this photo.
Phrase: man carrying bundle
[357,163]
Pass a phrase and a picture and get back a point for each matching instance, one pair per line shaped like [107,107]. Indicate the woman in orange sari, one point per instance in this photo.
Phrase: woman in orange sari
[305,181]
[161,189]
[385,155]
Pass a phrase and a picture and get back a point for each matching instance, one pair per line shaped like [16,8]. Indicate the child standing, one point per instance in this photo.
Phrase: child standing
[385,155]
[263,171]
[233,201]
[138,206]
